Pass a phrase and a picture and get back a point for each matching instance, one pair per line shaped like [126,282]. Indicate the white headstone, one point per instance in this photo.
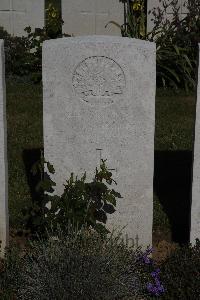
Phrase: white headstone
[169,14]
[85,17]
[195,210]
[15,15]
[99,102]
[3,157]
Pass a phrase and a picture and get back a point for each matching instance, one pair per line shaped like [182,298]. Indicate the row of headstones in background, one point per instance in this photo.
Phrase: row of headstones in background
[86,17]
[3,156]
[81,17]
[15,15]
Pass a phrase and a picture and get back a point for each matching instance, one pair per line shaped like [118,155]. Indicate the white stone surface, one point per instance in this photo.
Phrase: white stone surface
[3,156]
[99,93]
[156,3]
[85,17]
[195,210]
[15,15]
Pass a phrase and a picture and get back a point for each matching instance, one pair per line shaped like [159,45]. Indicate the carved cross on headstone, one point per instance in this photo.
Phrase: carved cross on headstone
[99,150]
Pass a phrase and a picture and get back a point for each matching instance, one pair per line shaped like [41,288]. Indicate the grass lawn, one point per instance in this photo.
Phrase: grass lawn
[24,122]
[173,134]
[174,121]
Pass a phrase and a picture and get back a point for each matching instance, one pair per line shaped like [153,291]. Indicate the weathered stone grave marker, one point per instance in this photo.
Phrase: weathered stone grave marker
[3,157]
[15,15]
[91,16]
[99,101]
[195,210]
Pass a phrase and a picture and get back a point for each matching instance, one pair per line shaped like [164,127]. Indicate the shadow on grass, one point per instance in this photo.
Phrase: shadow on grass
[172,185]
[30,157]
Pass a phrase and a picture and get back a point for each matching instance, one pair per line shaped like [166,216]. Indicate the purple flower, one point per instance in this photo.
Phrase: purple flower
[147,260]
[155,273]
[148,251]
[145,257]
[152,289]
[157,288]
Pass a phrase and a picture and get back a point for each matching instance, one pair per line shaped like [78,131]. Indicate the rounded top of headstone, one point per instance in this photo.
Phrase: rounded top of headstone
[101,39]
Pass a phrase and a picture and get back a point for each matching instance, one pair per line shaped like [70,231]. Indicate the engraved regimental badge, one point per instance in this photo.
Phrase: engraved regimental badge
[99,80]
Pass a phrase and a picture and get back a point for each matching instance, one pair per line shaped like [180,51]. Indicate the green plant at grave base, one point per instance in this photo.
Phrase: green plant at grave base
[82,203]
